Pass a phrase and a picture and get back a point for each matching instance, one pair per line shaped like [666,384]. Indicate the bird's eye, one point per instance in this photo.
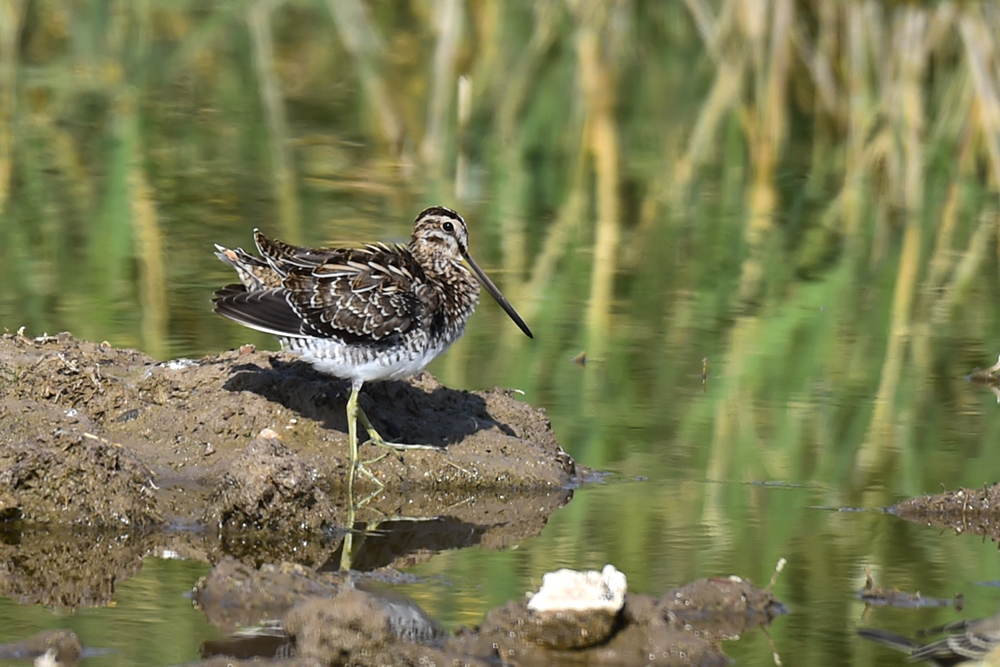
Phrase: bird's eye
[448,227]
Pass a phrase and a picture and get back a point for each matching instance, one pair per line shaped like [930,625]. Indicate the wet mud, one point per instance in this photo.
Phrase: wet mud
[241,460]
[108,455]
[164,435]
[122,439]
[334,620]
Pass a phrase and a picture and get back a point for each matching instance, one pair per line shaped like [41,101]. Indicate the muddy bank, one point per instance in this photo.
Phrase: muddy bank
[245,453]
[119,438]
[240,459]
[290,615]
[328,619]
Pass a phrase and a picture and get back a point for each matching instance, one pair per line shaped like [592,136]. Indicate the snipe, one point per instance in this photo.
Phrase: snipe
[377,312]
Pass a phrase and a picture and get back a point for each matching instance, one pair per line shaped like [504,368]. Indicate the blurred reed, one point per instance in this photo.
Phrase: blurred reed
[803,192]
[285,183]
[11,16]
[891,93]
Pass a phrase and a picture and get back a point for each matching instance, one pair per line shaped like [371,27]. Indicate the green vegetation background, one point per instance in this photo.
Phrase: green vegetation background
[798,198]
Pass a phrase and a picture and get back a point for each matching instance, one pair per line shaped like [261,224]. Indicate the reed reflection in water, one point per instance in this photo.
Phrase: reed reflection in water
[805,194]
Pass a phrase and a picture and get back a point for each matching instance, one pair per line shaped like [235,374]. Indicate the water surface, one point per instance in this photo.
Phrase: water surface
[835,305]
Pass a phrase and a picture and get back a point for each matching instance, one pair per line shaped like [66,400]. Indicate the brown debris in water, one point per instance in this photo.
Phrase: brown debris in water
[321,616]
[356,627]
[963,510]
[235,595]
[721,607]
[871,594]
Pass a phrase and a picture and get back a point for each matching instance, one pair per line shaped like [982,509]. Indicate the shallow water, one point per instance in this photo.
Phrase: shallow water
[729,427]
[663,526]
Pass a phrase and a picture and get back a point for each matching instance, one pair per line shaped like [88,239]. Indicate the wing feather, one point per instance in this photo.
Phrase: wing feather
[356,293]
[370,294]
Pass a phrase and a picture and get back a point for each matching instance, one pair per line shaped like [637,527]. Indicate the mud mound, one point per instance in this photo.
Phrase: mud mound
[273,489]
[70,476]
[107,455]
[95,434]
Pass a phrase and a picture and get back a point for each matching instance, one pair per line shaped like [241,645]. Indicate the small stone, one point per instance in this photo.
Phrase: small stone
[575,610]
[581,591]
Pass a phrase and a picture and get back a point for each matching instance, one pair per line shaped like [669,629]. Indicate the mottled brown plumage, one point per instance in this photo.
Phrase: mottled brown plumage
[376,312]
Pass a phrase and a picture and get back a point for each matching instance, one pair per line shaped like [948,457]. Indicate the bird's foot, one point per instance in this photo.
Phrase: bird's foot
[398,446]
[360,468]
[375,439]
[376,459]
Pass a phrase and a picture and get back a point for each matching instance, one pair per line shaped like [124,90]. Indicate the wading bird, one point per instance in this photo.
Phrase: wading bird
[377,312]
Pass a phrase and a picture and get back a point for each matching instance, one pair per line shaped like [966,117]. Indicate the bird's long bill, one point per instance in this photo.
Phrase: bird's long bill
[495,293]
